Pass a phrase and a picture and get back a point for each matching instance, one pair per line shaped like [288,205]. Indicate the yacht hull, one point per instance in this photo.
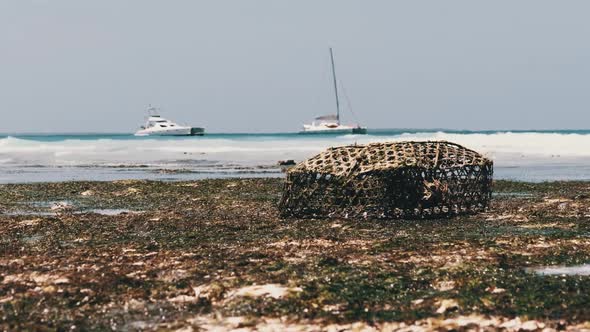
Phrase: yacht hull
[197,131]
[158,126]
[326,132]
[168,132]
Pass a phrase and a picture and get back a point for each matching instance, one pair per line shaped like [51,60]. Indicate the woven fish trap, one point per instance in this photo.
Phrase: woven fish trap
[389,181]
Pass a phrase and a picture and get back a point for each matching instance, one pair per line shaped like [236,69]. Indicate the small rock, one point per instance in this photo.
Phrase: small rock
[12,279]
[447,304]
[134,304]
[30,222]
[17,261]
[275,291]
[498,290]
[133,190]
[513,324]
[87,193]
[185,329]
[40,278]
[140,325]
[289,162]
[62,280]
[6,299]
[495,290]
[183,299]
[418,301]
[202,291]
[444,286]
[531,325]
[49,289]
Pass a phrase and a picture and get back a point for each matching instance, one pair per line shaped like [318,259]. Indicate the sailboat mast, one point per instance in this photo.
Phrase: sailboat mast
[335,87]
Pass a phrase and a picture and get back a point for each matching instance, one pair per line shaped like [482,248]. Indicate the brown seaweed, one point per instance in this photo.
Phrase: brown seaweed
[192,257]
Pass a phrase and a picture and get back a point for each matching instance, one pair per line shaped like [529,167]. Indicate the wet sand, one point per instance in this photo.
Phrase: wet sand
[141,255]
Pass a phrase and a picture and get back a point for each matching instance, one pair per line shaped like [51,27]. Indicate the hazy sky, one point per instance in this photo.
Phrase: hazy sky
[254,66]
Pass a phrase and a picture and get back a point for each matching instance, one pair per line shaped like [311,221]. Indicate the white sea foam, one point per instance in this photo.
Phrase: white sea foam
[523,156]
[504,148]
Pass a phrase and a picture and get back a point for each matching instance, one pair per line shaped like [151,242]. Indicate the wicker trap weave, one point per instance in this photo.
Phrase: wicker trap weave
[389,180]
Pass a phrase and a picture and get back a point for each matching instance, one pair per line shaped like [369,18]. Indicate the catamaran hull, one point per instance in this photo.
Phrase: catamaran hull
[359,131]
[335,131]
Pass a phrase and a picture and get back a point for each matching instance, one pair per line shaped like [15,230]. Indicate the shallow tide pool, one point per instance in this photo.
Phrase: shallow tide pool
[579,270]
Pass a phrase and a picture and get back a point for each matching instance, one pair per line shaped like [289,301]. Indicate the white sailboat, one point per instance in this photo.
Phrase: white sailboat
[330,124]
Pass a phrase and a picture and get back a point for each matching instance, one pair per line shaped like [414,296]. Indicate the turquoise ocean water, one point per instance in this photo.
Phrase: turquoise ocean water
[54,137]
[543,155]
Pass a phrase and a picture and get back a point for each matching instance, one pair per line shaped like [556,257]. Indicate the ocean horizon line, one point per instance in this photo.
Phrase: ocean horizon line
[370,131]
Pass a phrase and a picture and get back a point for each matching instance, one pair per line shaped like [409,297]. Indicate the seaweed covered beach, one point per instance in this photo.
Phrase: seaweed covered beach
[214,254]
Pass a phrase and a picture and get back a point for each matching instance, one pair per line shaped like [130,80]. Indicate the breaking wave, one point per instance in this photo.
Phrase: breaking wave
[504,148]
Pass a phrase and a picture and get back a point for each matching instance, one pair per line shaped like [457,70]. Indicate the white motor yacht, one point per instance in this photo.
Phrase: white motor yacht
[330,124]
[159,126]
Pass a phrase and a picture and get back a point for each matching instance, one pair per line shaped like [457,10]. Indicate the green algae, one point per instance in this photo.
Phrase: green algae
[124,271]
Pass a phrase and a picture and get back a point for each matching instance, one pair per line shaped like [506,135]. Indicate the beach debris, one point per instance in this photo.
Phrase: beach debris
[36,277]
[418,301]
[517,324]
[30,222]
[61,207]
[173,275]
[464,321]
[275,291]
[444,286]
[217,322]
[134,304]
[133,190]
[446,305]
[128,192]
[495,290]
[112,212]
[87,193]
[207,292]
[183,299]
[6,299]
[16,262]
[190,184]
[389,180]
[127,182]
